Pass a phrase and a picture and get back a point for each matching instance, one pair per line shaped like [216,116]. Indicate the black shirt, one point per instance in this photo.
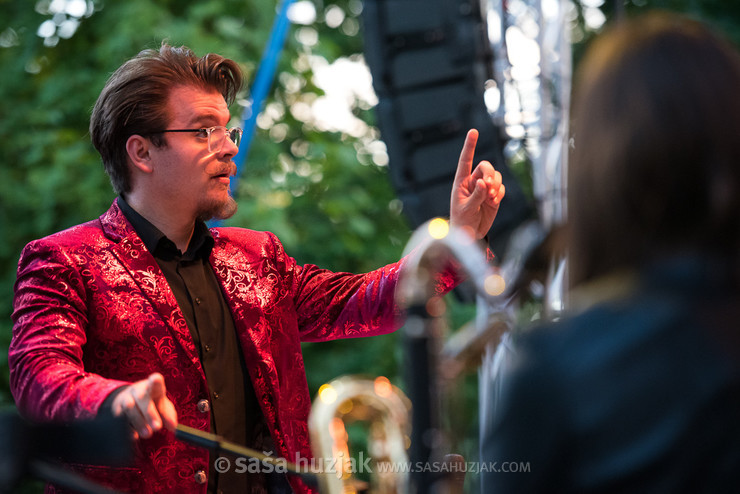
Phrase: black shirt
[235,412]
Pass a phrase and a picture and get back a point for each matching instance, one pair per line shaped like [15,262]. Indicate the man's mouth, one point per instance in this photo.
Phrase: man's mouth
[225,174]
[223,178]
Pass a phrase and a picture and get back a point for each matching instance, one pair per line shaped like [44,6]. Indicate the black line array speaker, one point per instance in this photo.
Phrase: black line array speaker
[429,60]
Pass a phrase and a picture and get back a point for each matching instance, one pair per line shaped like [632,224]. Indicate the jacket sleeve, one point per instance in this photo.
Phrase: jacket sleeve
[343,305]
[334,305]
[50,317]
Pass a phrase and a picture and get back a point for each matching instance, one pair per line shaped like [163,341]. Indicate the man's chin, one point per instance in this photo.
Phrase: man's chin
[219,211]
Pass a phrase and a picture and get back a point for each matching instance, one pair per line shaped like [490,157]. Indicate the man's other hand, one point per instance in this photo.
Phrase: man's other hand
[146,406]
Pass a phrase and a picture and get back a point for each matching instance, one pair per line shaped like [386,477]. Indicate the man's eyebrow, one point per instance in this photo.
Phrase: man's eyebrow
[204,120]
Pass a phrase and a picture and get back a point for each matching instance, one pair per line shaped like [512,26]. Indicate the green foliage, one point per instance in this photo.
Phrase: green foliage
[721,14]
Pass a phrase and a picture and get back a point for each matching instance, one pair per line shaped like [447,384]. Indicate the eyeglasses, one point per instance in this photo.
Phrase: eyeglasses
[216,136]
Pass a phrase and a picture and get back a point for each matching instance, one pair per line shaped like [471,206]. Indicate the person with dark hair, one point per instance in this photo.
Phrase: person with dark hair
[637,388]
[148,314]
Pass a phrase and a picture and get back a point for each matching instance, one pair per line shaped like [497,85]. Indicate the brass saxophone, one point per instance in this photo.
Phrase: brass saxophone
[385,409]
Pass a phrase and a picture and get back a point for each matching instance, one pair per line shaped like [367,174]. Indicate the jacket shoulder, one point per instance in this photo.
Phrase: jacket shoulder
[83,236]
[244,234]
[249,240]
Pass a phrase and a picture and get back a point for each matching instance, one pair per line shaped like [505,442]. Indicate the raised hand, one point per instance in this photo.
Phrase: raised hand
[476,196]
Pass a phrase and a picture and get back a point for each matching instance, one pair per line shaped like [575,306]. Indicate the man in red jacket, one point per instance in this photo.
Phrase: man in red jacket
[107,312]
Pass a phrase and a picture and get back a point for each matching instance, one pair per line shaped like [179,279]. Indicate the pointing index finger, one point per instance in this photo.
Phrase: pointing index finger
[465,163]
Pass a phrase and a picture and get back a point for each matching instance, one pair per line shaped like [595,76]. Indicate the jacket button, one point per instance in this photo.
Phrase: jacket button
[200,477]
[204,406]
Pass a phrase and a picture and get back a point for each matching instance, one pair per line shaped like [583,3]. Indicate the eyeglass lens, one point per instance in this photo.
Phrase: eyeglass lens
[218,135]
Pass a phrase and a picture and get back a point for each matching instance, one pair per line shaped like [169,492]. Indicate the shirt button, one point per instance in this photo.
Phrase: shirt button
[204,406]
[200,477]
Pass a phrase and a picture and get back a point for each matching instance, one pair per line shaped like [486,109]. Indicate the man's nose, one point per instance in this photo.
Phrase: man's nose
[229,147]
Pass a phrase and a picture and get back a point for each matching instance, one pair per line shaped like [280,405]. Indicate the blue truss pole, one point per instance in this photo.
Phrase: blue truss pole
[261,86]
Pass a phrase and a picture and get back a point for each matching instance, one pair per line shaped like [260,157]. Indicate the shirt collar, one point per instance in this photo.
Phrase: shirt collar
[162,247]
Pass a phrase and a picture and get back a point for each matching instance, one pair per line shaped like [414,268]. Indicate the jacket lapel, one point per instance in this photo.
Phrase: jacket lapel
[239,279]
[133,255]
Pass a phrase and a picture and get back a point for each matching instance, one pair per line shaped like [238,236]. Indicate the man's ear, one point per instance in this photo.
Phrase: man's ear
[137,148]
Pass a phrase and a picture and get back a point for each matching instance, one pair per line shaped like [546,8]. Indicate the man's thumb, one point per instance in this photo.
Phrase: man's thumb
[156,385]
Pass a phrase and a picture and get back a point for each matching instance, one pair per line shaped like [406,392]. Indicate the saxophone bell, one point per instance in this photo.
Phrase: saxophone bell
[385,410]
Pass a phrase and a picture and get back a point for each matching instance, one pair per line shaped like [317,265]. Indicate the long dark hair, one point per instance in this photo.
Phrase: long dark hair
[655,166]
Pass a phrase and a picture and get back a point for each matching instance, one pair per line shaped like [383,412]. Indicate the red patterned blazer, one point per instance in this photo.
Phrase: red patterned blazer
[93,312]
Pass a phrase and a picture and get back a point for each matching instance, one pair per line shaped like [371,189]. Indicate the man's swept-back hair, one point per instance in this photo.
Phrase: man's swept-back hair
[655,169]
[134,100]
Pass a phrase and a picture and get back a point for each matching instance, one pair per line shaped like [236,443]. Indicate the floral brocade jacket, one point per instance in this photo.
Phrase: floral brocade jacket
[93,312]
